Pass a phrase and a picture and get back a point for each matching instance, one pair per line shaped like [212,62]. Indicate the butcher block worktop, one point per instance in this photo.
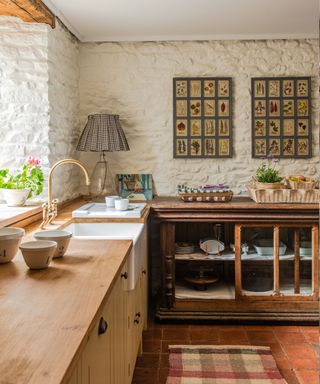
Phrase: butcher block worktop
[46,315]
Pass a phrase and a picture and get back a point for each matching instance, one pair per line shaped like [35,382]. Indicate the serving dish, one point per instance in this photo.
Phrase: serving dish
[264,247]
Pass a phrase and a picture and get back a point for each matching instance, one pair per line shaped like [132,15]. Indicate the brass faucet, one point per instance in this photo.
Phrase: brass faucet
[50,208]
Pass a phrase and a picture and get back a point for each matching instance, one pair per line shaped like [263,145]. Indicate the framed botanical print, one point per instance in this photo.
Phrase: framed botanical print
[281,117]
[202,117]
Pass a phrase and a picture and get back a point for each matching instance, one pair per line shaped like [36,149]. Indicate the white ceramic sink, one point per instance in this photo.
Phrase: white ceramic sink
[116,231]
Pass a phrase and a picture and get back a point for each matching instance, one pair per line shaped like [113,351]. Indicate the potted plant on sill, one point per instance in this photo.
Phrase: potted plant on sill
[18,186]
[268,177]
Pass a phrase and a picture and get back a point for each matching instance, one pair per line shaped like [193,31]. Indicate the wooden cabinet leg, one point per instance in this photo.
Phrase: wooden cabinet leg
[315,262]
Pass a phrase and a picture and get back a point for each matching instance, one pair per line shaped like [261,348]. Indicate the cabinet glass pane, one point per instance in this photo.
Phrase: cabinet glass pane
[257,260]
[202,272]
[296,271]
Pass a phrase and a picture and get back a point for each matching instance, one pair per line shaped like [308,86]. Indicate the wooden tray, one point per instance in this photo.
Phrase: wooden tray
[207,197]
[270,196]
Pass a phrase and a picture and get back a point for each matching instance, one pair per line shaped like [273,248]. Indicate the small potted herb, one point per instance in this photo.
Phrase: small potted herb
[25,182]
[268,177]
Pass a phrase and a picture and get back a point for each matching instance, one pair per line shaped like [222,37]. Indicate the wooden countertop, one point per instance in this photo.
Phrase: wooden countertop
[46,316]
[239,210]
[238,202]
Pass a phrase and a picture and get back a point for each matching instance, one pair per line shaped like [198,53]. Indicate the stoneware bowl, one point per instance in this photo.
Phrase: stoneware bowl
[121,205]
[62,238]
[10,239]
[38,254]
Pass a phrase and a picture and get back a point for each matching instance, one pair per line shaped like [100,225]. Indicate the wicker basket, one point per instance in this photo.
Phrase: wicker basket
[308,184]
[269,196]
[207,197]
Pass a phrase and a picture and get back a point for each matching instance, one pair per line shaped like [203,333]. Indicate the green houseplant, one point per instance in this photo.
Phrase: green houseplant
[19,185]
[268,177]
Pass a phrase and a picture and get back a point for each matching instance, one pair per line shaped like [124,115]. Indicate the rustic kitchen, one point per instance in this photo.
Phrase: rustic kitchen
[159,192]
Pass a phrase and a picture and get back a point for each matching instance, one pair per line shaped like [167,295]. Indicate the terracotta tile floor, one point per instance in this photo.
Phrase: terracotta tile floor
[295,348]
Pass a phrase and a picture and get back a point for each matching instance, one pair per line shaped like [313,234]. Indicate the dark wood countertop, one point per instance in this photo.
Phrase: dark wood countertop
[240,209]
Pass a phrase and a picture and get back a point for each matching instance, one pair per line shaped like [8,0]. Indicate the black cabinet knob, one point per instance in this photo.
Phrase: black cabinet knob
[138,314]
[124,275]
[103,326]
[136,321]
[144,271]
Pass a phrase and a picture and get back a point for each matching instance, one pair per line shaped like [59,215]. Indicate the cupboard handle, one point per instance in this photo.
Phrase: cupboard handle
[103,326]
[144,271]
[138,314]
[136,321]
[124,275]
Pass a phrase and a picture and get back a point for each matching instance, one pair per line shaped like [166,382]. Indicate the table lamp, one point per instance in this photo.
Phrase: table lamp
[102,133]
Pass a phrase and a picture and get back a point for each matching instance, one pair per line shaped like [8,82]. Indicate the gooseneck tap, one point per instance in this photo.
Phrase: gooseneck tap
[50,208]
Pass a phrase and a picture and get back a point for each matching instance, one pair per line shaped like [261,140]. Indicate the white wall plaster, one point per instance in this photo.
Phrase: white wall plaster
[39,78]
[134,80]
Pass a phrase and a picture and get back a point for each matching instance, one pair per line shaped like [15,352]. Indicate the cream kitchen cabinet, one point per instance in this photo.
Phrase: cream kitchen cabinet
[113,345]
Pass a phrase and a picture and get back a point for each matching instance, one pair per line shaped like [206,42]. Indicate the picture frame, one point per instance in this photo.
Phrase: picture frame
[135,187]
[202,117]
[281,117]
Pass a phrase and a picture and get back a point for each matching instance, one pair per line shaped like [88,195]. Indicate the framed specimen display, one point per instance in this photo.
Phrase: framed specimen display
[281,117]
[202,117]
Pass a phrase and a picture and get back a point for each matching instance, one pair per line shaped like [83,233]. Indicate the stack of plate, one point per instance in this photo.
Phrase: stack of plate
[183,248]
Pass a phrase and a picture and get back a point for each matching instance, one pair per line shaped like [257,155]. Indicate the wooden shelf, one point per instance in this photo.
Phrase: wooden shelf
[218,290]
[230,256]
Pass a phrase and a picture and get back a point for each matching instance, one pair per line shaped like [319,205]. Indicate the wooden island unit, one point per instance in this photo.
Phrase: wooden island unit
[281,286]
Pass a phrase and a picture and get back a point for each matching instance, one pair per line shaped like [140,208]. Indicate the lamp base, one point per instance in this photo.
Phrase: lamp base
[102,183]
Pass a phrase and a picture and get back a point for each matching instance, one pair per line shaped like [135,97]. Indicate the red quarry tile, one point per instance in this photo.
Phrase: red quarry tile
[145,376]
[234,337]
[164,360]
[308,328]
[286,328]
[162,375]
[308,376]
[151,346]
[312,336]
[261,336]
[148,360]
[303,350]
[199,335]
[289,376]
[290,337]
[175,334]
[152,333]
[258,327]
[282,362]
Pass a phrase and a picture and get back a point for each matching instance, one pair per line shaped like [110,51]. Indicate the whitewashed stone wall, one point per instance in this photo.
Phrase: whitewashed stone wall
[38,97]
[134,80]
[63,54]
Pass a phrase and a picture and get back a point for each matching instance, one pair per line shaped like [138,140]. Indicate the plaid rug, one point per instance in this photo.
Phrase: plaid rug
[224,364]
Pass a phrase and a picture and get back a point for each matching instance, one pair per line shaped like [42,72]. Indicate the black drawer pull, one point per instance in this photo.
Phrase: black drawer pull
[138,314]
[124,275]
[136,321]
[144,271]
[103,326]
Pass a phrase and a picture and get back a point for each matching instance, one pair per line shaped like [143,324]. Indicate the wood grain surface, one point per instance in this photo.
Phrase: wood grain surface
[46,316]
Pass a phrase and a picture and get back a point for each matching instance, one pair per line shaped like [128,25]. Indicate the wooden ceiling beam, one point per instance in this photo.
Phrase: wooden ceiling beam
[34,11]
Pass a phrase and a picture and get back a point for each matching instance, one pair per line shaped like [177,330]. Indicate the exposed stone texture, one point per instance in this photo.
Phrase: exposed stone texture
[63,53]
[134,80]
[38,97]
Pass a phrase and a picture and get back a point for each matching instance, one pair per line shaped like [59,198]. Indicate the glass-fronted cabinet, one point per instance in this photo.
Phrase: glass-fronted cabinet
[276,261]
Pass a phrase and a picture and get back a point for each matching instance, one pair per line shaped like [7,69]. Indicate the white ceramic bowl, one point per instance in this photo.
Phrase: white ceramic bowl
[38,254]
[10,239]
[61,237]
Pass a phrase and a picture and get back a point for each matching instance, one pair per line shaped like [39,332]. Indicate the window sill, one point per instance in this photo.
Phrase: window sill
[11,215]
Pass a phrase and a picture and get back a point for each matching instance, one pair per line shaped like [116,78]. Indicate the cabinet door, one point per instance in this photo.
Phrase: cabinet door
[144,293]
[97,355]
[281,262]
[119,334]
